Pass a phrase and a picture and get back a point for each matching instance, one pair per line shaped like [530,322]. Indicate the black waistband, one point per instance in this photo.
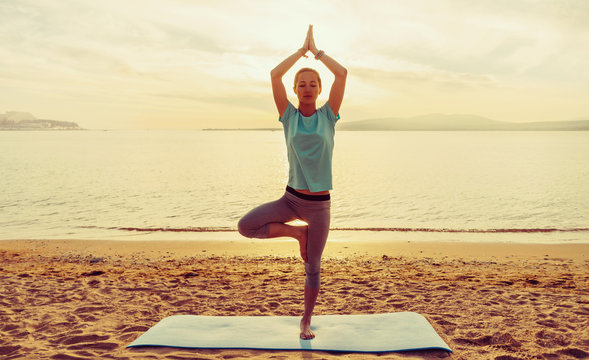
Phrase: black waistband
[307,196]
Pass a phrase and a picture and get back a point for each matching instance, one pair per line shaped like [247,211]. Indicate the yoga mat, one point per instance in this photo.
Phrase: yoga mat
[352,333]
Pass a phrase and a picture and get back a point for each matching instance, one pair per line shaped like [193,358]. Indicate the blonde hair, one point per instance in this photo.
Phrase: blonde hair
[307,70]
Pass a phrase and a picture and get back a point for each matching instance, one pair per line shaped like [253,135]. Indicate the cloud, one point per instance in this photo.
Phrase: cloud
[385,78]
[184,54]
[257,102]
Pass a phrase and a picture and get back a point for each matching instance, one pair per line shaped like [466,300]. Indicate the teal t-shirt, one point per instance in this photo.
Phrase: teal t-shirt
[309,144]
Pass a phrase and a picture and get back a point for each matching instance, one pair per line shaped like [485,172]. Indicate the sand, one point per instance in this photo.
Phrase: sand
[90,299]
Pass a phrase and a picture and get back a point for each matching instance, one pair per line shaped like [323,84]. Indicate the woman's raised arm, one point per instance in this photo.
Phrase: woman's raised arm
[336,94]
[278,89]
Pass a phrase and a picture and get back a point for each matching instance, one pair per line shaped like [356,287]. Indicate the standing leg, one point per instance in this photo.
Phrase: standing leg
[318,219]
[310,300]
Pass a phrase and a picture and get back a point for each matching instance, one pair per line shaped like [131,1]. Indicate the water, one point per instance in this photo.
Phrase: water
[483,186]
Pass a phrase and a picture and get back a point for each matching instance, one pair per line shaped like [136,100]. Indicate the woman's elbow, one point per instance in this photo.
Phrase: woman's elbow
[343,73]
[275,74]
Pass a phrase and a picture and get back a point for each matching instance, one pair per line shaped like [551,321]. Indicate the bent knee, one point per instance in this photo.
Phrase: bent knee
[246,229]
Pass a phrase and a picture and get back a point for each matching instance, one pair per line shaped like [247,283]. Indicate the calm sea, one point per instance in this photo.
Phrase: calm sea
[463,186]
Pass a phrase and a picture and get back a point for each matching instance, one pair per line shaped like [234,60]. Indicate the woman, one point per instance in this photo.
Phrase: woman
[309,135]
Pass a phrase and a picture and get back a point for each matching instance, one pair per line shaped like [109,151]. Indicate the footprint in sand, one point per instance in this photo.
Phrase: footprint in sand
[89,309]
[108,346]
[504,340]
[136,328]
[9,350]
[89,342]
[576,353]
[548,323]
[551,339]
[83,339]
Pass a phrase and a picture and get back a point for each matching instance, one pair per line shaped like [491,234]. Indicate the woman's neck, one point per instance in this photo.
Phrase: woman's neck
[307,109]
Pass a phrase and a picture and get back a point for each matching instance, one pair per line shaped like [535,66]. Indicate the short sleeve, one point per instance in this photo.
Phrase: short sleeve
[329,113]
[290,109]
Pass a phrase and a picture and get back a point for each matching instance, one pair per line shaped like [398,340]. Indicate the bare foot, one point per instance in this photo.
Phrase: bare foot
[302,239]
[306,333]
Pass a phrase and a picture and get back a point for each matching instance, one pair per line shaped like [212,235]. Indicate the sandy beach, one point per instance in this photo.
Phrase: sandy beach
[69,300]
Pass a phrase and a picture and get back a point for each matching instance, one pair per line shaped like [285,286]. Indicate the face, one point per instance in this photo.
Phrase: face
[307,87]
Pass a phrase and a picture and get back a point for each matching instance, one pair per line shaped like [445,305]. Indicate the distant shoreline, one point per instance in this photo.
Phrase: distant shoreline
[38,124]
[40,129]
[406,130]
[252,129]
[443,122]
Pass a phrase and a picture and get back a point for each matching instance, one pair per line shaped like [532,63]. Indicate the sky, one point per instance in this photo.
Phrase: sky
[189,64]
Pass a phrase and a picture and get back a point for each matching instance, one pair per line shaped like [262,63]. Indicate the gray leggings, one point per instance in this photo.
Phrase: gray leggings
[255,224]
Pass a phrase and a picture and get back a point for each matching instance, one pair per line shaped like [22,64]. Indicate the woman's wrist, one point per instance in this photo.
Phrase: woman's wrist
[302,51]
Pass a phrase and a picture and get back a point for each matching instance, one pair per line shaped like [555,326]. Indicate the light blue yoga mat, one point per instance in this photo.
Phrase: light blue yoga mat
[354,333]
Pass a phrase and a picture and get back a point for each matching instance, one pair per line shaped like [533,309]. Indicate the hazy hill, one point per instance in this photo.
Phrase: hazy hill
[457,122]
[17,120]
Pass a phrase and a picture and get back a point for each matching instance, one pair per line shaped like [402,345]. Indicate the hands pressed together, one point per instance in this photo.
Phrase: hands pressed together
[309,44]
